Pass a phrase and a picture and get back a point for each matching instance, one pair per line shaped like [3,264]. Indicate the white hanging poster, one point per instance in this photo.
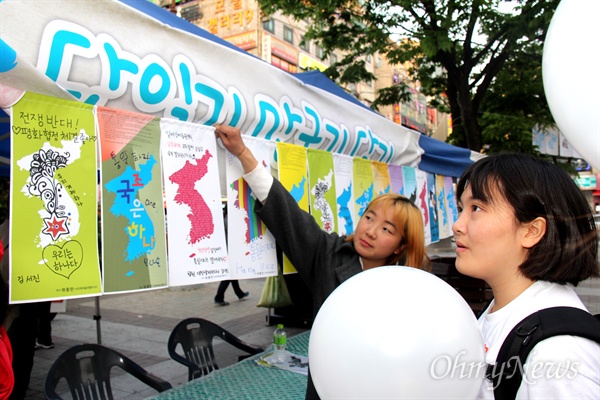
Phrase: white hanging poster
[195,228]
[433,208]
[444,223]
[251,246]
[423,203]
[342,169]
[450,201]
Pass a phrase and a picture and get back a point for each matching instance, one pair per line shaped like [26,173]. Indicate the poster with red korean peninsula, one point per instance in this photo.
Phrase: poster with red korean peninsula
[195,227]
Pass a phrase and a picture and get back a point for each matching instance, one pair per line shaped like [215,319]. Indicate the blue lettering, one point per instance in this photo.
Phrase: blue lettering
[292,117]
[148,76]
[265,109]
[116,66]
[57,51]
[218,101]
[237,110]
[311,139]
[360,134]
[184,72]
[177,90]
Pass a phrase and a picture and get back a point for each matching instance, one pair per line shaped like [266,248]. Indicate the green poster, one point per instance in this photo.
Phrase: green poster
[134,255]
[54,219]
[321,180]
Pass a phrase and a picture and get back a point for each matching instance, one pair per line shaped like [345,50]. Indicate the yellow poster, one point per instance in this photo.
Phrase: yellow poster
[362,172]
[381,178]
[293,176]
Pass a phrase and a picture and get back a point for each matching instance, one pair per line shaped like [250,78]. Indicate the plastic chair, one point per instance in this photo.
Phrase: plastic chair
[195,335]
[87,369]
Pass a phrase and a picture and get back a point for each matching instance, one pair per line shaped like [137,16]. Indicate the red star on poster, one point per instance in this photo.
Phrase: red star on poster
[55,226]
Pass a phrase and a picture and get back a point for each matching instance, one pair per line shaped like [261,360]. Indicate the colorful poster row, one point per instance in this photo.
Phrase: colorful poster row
[160,220]
[337,189]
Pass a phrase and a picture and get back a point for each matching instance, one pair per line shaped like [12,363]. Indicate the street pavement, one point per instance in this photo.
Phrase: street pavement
[139,325]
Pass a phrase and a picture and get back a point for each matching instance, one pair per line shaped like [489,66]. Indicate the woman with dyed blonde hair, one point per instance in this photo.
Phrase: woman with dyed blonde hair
[390,231]
[406,215]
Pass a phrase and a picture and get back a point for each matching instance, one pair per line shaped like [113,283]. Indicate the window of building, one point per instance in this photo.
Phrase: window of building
[269,25]
[319,52]
[334,58]
[304,44]
[288,34]
[369,58]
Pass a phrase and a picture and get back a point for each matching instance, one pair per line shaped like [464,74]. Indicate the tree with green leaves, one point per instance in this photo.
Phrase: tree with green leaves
[515,103]
[457,49]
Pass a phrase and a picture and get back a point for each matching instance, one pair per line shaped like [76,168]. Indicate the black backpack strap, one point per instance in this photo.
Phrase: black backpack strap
[506,375]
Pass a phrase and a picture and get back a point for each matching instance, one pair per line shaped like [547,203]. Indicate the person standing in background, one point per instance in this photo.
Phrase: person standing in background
[220,296]
[44,326]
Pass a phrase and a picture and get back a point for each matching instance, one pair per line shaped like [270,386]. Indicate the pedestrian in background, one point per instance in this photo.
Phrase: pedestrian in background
[220,297]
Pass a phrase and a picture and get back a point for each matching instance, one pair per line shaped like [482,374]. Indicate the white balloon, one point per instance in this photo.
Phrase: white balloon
[571,74]
[396,332]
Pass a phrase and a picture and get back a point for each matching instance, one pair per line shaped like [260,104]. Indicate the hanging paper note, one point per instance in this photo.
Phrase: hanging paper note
[410,183]
[450,201]
[53,221]
[423,202]
[363,186]
[396,179]
[292,174]
[134,253]
[433,208]
[322,189]
[344,194]
[381,178]
[251,246]
[196,232]
[445,229]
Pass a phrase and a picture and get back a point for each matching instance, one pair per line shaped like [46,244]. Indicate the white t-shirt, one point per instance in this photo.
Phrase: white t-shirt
[560,367]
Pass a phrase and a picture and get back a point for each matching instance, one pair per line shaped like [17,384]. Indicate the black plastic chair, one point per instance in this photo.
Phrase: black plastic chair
[195,335]
[87,369]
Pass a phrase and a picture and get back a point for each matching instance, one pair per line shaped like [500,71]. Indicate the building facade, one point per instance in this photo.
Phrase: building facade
[279,40]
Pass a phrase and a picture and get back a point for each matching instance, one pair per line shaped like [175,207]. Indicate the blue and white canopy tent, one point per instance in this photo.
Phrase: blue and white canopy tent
[105,60]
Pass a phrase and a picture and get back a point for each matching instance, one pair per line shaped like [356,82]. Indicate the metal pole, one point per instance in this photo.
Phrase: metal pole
[97,317]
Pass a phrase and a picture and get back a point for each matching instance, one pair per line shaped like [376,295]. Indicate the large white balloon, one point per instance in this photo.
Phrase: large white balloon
[571,73]
[396,332]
